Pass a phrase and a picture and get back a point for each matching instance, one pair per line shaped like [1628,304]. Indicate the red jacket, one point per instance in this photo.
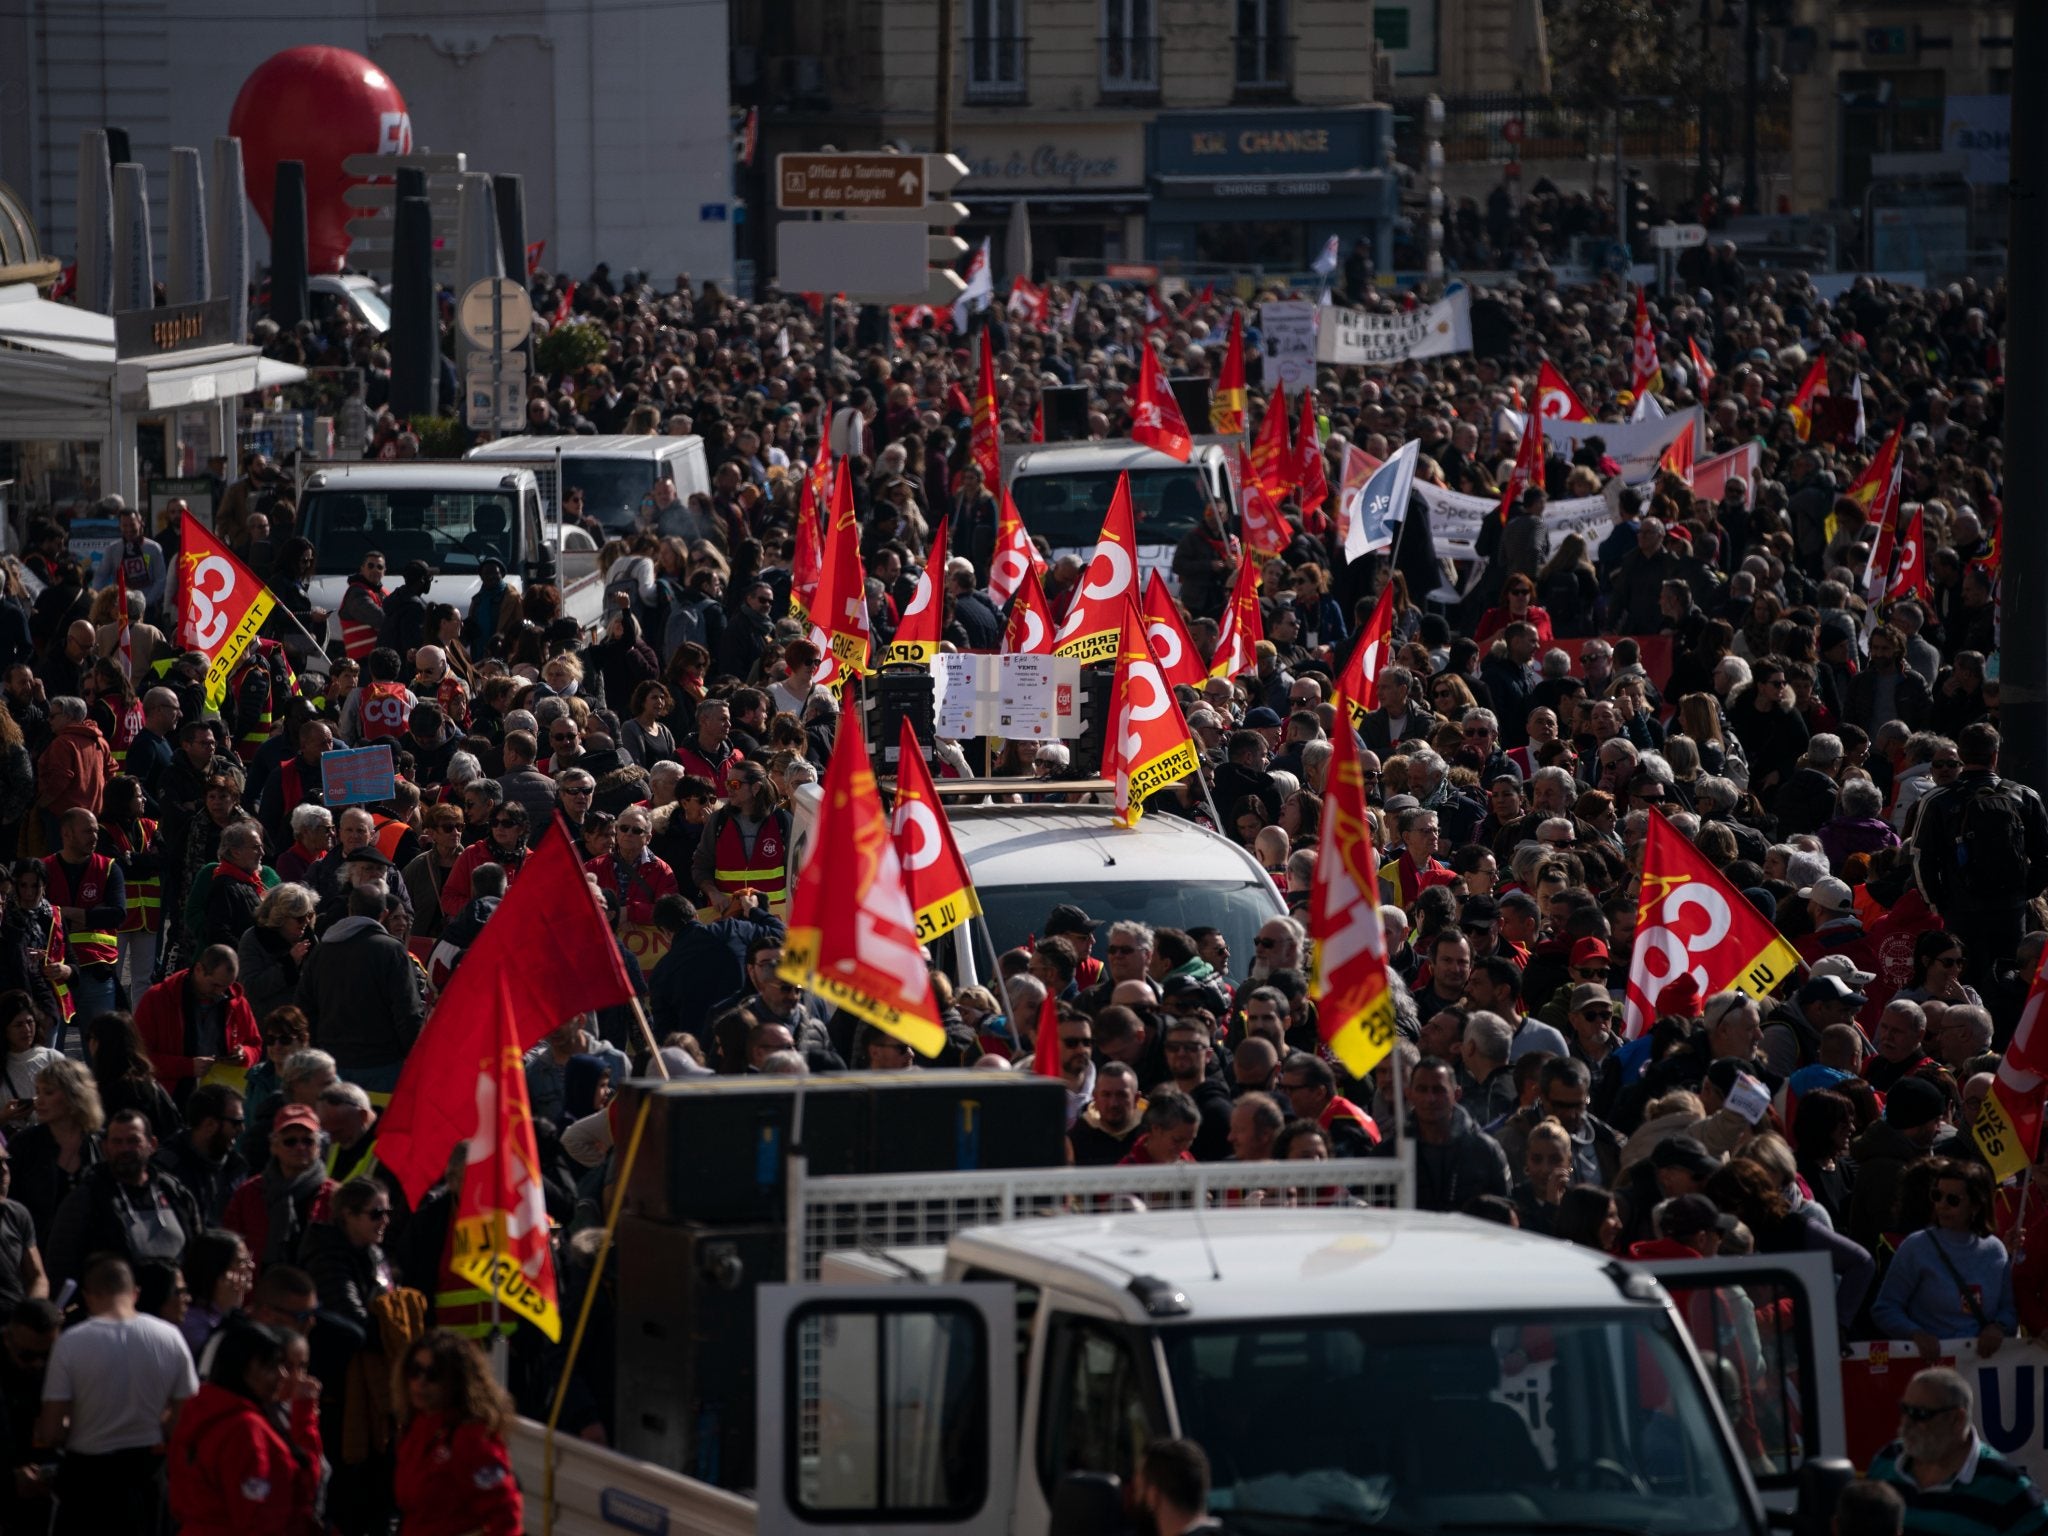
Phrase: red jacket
[455,890]
[455,1480]
[641,888]
[248,1213]
[160,1016]
[74,769]
[233,1474]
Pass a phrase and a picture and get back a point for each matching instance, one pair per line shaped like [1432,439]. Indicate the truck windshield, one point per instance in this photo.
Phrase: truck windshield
[613,489]
[1444,1423]
[451,530]
[1066,510]
[1237,907]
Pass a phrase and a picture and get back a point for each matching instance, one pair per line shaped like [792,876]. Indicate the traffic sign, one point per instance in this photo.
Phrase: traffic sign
[1678,237]
[495,315]
[494,400]
[848,183]
[930,213]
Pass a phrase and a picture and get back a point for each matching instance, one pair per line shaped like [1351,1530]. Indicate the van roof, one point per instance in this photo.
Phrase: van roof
[435,474]
[1083,458]
[1031,844]
[614,446]
[1260,1263]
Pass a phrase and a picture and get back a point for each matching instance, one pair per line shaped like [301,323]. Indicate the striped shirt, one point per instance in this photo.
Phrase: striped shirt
[1989,1496]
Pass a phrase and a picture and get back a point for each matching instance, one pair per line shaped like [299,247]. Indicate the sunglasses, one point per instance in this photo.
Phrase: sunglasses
[580,793]
[1077,1040]
[378,1213]
[1123,949]
[507,821]
[1262,942]
[295,1141]
[1942,1199]
[1597,1013]
[1912,1413]
[558,740]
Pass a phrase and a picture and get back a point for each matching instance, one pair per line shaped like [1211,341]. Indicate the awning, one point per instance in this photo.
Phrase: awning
[1323,184]
[199,377]
[29,320]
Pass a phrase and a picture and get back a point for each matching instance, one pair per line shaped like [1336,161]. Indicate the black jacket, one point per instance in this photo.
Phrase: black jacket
[100,1216]
[1450,1176]
[345,1276]
[210,1183]
[363,994]
[1938,834]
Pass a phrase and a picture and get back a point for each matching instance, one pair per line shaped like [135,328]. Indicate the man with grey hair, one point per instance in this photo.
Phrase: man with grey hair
[1951,1479]
[1963,1034]
[1400,717]
[1932,763]
[1483,1050]
[1900,1036]
[236,885]
[1715,798]
[1127,957]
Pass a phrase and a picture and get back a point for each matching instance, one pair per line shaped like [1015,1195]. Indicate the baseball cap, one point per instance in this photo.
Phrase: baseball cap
[1830,989]
[1830,893]
[1913,1102]
[1691,1215]
[1067,918]
[1589,951]
[295,1114]
[1845,968]
[1479,912]
[1687,1152]
[1261,718]
[1585,994]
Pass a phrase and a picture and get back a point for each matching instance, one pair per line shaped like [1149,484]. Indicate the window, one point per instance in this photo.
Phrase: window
[1094,1417]
[451,530]
[995,50]
[888,1414]
[1130,49]
[1264,62]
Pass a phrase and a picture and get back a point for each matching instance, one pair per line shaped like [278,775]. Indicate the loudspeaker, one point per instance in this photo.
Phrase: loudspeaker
[717,1148]
[1192,396]
[921,1122]
[289,302]
[415,312]
[686,1344]
[1098,684]
[894,693]
[1066,414]
[1493,329]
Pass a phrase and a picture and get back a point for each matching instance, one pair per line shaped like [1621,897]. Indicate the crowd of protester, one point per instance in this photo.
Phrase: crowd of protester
[210,979]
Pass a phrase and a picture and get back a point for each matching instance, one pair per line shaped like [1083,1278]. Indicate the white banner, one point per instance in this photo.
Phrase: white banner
[1288,331]
[1635,445]
[1455,520]
[1354,338]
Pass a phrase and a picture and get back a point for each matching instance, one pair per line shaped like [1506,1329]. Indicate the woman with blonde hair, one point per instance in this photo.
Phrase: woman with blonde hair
[52,1156]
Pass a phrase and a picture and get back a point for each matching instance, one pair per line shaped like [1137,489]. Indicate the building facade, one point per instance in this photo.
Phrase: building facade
[1054,101]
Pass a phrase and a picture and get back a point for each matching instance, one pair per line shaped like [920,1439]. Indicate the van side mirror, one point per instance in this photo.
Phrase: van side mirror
[1089,1504]
[542,568]
[1821,1482]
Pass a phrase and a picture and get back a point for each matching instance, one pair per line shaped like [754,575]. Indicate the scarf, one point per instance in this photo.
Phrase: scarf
[282,1199]
[226,871]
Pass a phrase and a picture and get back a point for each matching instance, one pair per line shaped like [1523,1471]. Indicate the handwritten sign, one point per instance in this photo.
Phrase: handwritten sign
[362,776]
[1289,327]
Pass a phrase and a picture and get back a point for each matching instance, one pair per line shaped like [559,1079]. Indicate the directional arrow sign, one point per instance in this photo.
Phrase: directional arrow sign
[849,183]
[944,250]
[942,173]
[929,213]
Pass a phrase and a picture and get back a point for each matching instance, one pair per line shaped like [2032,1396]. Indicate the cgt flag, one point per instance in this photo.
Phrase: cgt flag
[1646,372]
[1266,532]
[1273,448]
[1243,627]
[1172,647]
[1108,587]
[1354,1001]
[916,640]
[1016,559]
[1311,477]
[1029,632]
[221,605]
[1555,396]
[852,936]
[1691,922]
[2008,1127]
[985,433]
[1226,402]
[1156,420]
[1528,468]
[1811,388]
[839,620]
[1149,745]
[1358,685]
[500,1240]
[935,877]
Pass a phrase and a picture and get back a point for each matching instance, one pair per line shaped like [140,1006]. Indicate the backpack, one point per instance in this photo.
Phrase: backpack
[1991,840]
[685,621]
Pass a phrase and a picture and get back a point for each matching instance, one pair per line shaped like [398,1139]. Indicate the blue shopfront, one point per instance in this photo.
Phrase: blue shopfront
[1268,187]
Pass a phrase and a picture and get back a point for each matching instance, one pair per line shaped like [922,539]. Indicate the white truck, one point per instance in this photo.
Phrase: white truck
[450,515]
[987,1352]
[1062,491]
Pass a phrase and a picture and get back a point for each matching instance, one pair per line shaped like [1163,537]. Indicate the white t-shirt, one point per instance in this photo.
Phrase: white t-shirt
[119,1375]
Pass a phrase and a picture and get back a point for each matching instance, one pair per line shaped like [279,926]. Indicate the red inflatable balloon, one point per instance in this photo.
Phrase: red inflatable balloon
[317,105]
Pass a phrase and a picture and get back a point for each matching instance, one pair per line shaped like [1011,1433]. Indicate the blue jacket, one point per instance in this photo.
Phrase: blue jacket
[1919,1295]
[706,962]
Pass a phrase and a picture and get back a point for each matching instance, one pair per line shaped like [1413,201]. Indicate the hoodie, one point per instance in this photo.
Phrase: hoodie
[364,995]
[233,1472]
[74,768]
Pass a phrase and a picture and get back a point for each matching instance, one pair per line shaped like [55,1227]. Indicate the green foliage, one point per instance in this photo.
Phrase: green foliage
[1604,50]
[571,347]
[441,437]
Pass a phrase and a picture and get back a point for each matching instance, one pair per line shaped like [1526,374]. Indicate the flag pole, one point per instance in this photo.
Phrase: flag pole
[318,649]
[647,1034]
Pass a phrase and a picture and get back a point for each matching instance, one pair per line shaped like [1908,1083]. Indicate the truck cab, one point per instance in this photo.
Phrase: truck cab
[1344,1369]
[1062,491]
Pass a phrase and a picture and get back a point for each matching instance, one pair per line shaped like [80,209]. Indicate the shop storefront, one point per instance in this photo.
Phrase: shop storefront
[1268,187]
[1083,186]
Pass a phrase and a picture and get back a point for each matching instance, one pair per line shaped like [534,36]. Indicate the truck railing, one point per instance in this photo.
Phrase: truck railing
[860,1212]
[598,1492]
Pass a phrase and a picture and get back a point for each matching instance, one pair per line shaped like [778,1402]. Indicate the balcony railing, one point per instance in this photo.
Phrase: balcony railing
[995,68]
[1130,68]
[1264,67]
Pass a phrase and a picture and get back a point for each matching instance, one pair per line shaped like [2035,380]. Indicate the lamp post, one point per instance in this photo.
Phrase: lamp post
[1433,118]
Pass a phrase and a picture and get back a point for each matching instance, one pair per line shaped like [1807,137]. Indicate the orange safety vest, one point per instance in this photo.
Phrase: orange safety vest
[361,639]
[93,946]
[381,712]
[389,835]
[765,870]
[145,895]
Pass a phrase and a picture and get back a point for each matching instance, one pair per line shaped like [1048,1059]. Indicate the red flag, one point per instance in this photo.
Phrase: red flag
[852,937]
[221,604]
[1311,477]
[1149,744]
[839,621]
[1244,625]
[1354,1000]
[66,284]
[1156,420]
[2008,1127]
[501,1240]
[1910,579]
[1700,366]
[808,563]
[1528,468]
[1811,388]
[534,251]
[1156,312]
[916,640]
[1208,294]
[1690,922]
[564,309]
[985,437]
[1555,397]
[1038,420]
[1109,585]
[1879,474]
[1884,519]
[1029,632]
[1647,372]
[1172,648]
[545,954]
[1678,457]
[935,876]
[1272,449]
[1016,559]
[1226,401]
[1358,685]
[1265,530]
[1045,1050]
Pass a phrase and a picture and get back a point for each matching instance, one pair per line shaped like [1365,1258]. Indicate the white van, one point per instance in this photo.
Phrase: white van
[615,474]
[1062,491]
